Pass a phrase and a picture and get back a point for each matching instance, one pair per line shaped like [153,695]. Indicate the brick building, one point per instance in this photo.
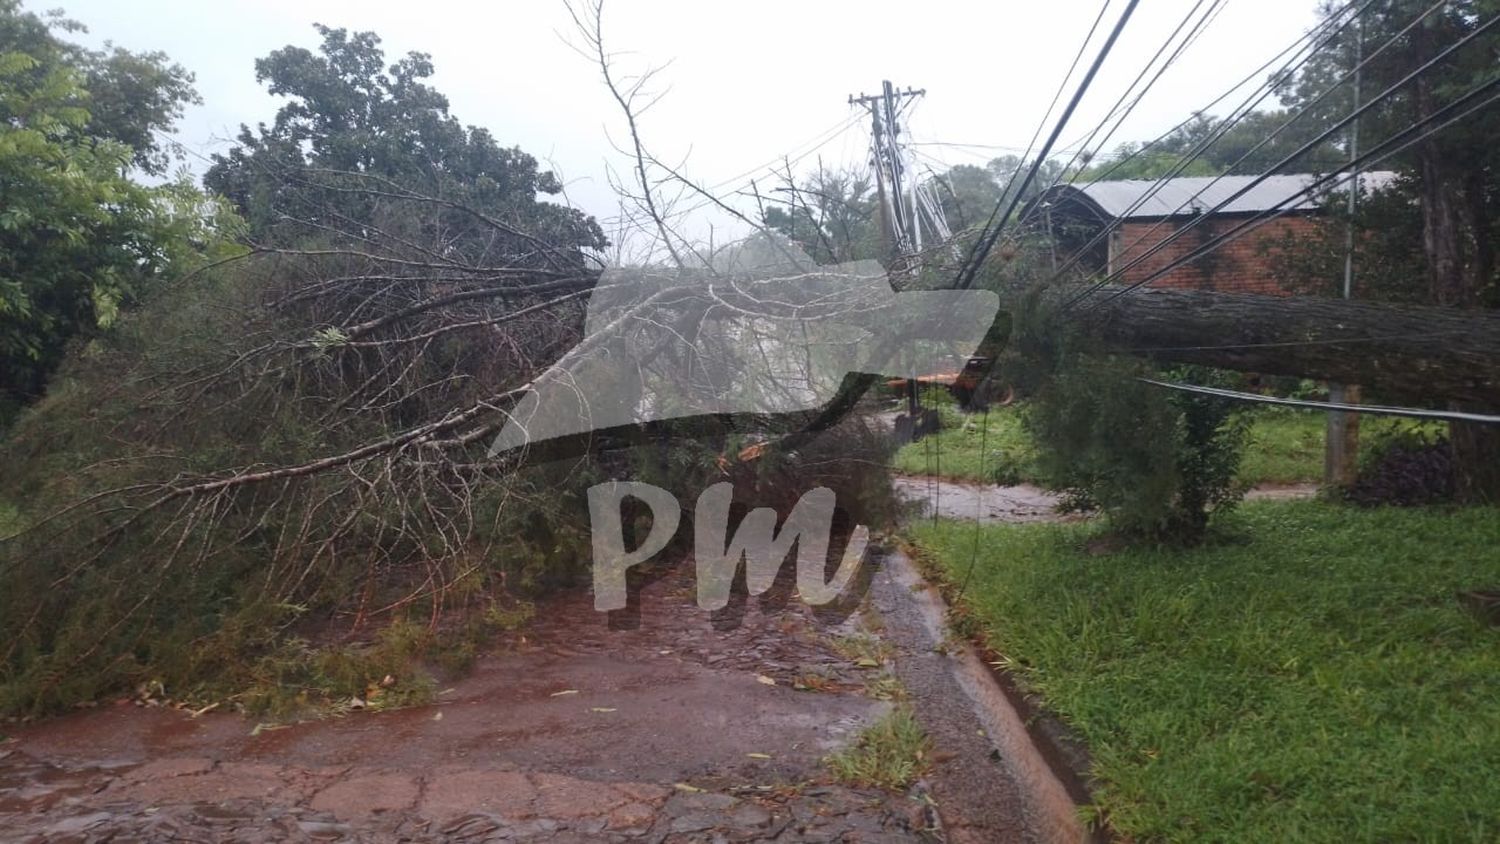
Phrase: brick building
[1136,215]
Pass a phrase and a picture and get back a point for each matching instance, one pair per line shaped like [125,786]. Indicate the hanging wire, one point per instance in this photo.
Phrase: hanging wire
[987,241]
[1371,409]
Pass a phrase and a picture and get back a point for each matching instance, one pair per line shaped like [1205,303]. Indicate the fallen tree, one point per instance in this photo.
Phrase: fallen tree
[1418,353]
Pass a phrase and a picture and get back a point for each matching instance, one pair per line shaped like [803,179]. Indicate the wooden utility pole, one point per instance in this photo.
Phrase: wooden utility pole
[899,234]
[898,219]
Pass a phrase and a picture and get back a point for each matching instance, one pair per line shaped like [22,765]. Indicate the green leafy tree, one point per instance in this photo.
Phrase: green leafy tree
[354,120]
[1009,172]
[78,238]
[129,98]
[834,216]
[1250,145]
[967,193]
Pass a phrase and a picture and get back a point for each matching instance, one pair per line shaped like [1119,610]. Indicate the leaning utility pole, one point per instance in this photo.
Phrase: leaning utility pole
[907,210]
[900,228]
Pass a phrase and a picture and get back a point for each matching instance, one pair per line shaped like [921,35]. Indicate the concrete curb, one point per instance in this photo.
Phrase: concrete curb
[1049,812]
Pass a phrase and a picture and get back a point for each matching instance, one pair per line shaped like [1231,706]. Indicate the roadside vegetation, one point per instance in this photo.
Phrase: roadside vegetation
[245,429]
[1306,674]
[1284,446]
[891,753]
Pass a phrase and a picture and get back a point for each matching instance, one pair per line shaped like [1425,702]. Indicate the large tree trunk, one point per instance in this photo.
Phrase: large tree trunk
[1413,353]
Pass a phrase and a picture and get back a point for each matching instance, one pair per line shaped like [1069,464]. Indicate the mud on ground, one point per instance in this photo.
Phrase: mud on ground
[663,723]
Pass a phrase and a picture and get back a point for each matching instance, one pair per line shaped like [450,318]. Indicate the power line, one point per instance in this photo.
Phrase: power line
[1199,219]
[1040,126]
[1371,409]
[1330,341]
[977,256]
[1084,144]
[1191,37]
[1314,40]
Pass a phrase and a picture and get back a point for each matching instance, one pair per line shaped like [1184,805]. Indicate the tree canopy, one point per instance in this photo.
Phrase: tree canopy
[78,237]
[352,118]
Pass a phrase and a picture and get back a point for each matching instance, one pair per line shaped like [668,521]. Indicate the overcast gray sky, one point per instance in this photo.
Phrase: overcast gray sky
[749,81]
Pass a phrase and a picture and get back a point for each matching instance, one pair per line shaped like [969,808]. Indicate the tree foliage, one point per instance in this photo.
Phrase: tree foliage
[1244,145]
[305,434]
[79,238]
[831,215]
[351,116]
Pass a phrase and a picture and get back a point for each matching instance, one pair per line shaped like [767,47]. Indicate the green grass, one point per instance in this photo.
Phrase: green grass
[1312,680]
[973,447]
[1285,447]
[891,753]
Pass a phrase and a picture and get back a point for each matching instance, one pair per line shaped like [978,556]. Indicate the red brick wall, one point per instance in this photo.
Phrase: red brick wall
[1234,266]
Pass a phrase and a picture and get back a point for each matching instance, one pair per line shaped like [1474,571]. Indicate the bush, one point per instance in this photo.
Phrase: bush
[1407,466]
[1156,462]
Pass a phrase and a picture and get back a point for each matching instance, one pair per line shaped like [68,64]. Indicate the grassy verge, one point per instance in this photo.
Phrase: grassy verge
[1314,680]
[1285,447]
[973,447]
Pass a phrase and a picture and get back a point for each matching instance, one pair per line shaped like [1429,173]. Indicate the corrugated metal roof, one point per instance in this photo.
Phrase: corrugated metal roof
[1192,195]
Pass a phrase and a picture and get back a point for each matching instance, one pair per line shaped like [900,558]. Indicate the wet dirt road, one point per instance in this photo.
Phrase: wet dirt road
[689,727]
[1019,504]
[661,723]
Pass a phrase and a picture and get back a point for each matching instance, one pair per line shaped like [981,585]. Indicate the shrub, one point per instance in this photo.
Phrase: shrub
[1406,466]
[1158,463]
